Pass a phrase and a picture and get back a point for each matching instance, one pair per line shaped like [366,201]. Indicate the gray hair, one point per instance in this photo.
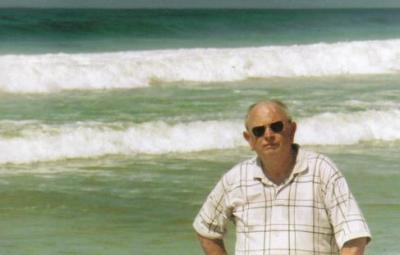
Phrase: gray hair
[281,105]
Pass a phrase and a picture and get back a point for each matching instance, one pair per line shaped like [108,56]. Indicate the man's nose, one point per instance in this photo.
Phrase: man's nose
[269,133]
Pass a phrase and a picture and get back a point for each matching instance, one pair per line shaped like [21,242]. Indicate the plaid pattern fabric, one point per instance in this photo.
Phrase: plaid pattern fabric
[312,212]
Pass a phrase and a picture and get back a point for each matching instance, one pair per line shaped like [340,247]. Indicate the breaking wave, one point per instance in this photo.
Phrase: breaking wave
[56,72]
[40,142]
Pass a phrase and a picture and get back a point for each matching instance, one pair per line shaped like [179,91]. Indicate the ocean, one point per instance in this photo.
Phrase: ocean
[116,124]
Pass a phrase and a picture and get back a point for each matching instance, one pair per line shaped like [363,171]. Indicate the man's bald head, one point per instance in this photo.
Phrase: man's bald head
[279,105]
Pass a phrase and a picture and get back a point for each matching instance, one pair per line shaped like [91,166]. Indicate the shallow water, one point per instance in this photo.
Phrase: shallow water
[145,205]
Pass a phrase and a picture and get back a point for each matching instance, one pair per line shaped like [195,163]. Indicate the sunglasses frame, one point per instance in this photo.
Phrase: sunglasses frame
[276,127]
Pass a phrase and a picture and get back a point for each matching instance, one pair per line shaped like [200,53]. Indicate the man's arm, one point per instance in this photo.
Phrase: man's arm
[212,246]
[348,223]
[354,247]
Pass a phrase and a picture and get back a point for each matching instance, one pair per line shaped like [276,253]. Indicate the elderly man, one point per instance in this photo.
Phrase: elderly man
[286,200]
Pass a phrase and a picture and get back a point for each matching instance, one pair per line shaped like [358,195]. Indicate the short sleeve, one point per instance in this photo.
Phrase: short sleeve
[214,214]
[344,213]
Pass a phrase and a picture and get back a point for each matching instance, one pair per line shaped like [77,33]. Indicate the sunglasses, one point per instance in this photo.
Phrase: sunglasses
[259,131]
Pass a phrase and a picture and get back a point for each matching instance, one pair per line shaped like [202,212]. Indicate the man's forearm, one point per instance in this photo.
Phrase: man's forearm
[354,247]
[212,246]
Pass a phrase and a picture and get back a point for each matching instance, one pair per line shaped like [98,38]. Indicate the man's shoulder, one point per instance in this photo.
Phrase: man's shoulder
[242,171]
[313,157]
[319,164]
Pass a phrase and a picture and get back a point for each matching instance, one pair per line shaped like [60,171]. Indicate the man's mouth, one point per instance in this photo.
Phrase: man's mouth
[270,145]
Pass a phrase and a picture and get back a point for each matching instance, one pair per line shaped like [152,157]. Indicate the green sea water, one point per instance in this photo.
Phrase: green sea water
[32,31]
[145,203]
[179,102]
[123,167]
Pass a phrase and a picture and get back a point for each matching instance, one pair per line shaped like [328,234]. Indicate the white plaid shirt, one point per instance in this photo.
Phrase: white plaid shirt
[312,212]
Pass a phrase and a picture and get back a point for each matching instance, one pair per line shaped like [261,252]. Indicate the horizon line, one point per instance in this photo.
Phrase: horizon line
[203,8]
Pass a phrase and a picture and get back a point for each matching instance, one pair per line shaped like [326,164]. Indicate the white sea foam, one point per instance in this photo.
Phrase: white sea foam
[350,128]
[88,140]
[44,143]
[54,72]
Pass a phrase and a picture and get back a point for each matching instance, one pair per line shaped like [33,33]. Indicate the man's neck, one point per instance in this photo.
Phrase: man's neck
[280,167]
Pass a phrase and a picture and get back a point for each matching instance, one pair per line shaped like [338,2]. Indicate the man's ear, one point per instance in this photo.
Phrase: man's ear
[293,128]
[246,136]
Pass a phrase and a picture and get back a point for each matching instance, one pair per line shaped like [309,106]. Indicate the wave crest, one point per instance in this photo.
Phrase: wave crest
[55,72]
[40,142]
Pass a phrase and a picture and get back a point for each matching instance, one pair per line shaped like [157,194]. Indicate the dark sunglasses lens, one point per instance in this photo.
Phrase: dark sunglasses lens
[277,126]
[258,131]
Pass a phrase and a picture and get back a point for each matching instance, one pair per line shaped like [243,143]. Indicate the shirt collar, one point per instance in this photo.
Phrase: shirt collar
[300,166]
